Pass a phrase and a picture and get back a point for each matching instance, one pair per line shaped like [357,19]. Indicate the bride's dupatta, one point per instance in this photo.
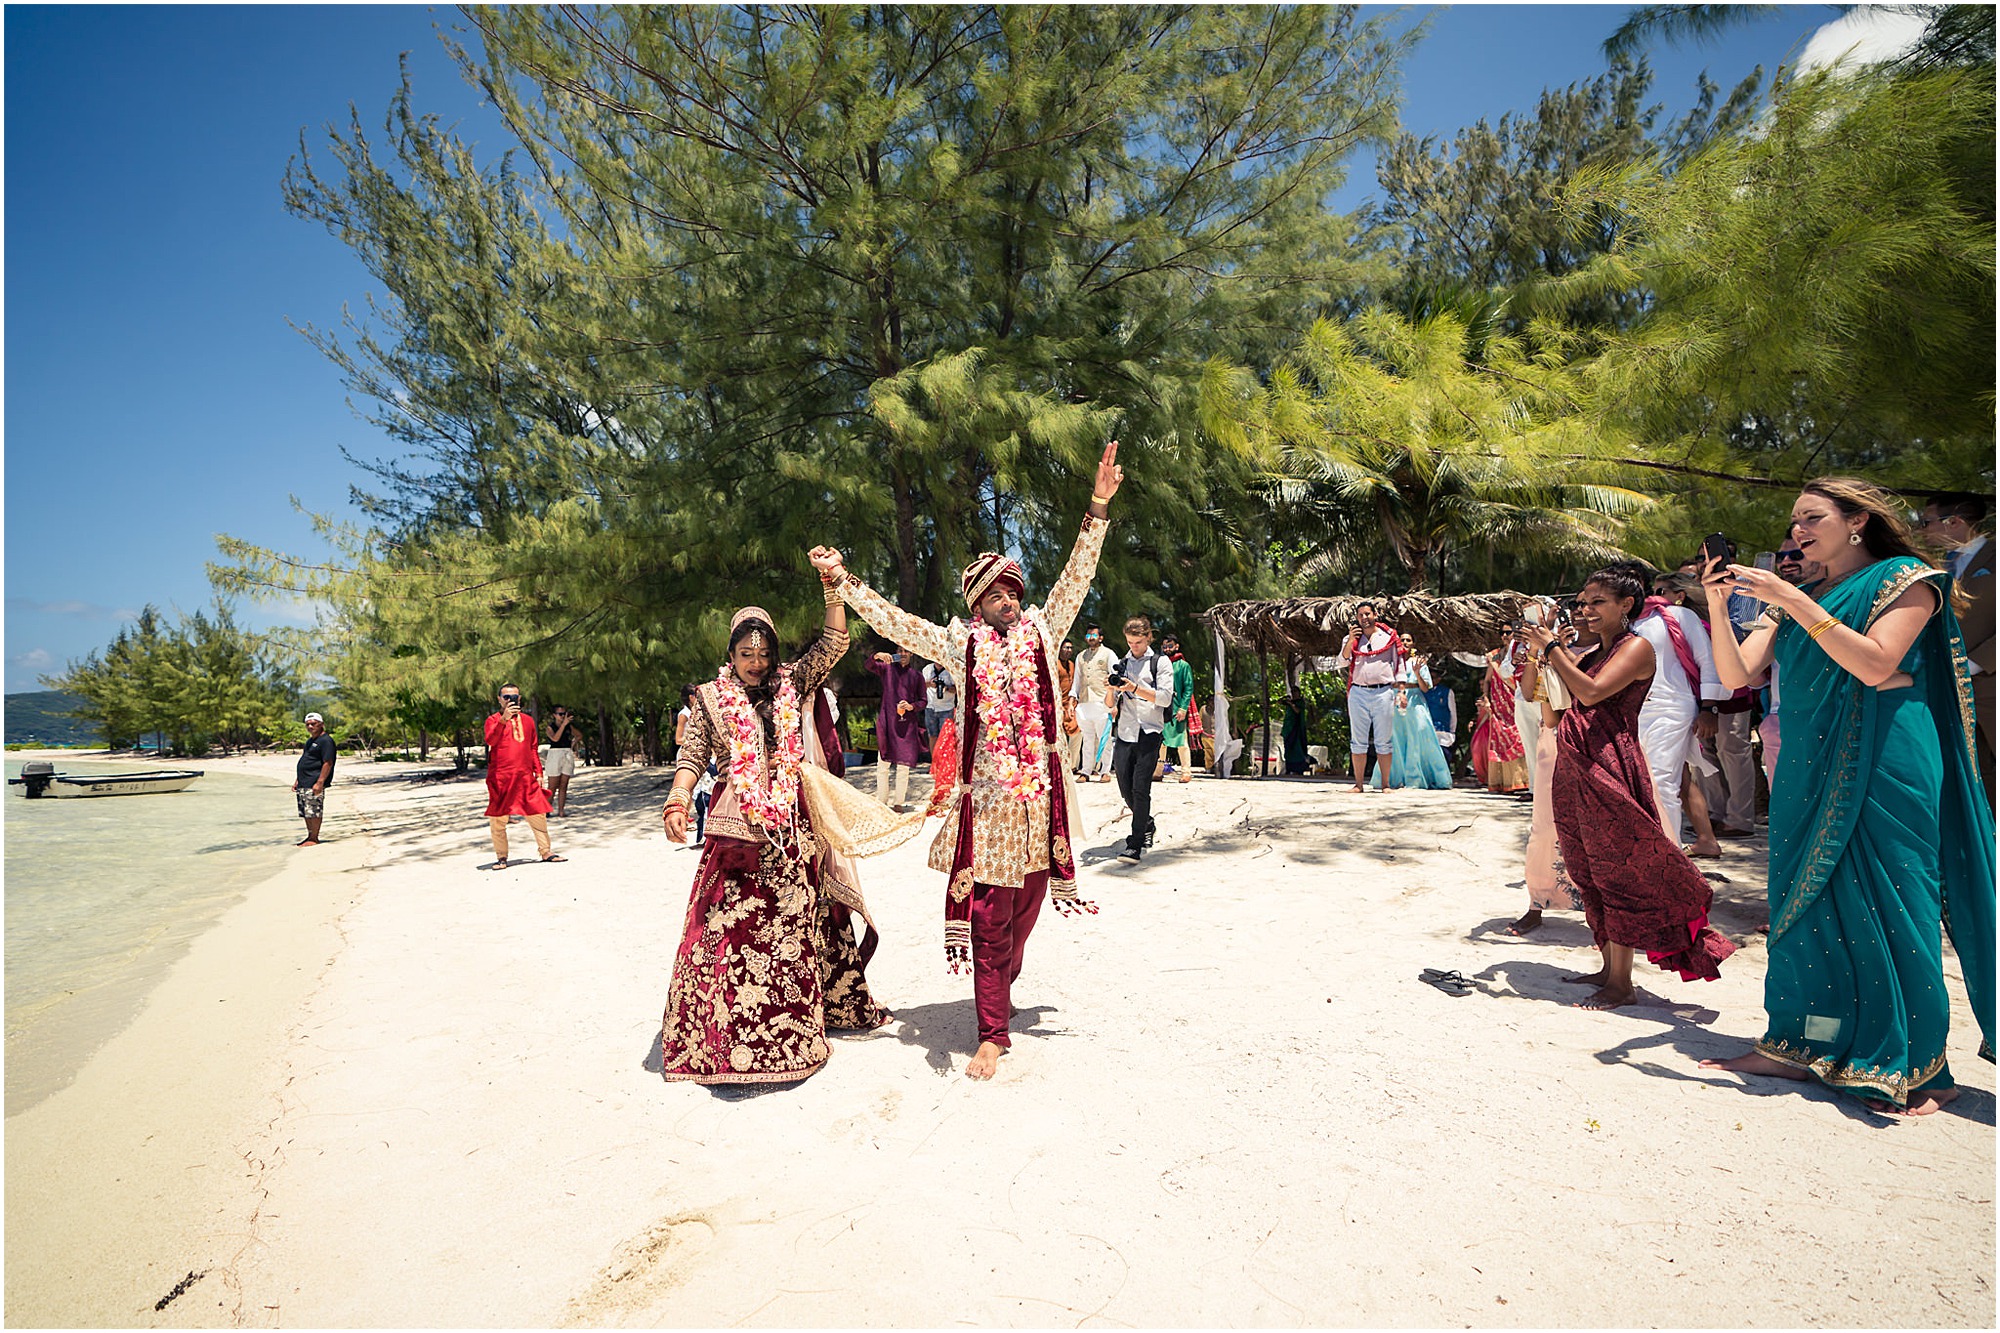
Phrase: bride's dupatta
[1857,872]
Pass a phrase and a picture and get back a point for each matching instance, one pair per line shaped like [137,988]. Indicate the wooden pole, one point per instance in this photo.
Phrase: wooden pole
[1264,672]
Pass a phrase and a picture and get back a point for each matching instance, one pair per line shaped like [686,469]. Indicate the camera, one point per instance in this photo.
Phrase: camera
[1117,676]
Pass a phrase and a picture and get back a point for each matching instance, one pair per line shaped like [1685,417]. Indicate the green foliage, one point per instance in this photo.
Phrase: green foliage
[37,718]
[886,277]
[882,276]
[203,681]
[1479,217]
[1384,432]
[1820,295]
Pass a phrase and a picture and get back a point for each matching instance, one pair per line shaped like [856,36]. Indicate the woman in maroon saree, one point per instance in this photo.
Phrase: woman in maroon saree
[1639,890]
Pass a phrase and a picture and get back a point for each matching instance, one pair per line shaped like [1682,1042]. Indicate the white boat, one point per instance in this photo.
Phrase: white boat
[39,779]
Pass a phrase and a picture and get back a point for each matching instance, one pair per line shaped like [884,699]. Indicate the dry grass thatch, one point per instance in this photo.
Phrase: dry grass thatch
[1316,626]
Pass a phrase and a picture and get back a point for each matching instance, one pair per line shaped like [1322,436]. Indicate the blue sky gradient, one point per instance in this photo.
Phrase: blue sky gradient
[156,391]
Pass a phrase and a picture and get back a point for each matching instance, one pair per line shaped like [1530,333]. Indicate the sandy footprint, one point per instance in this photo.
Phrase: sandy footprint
[642,1272]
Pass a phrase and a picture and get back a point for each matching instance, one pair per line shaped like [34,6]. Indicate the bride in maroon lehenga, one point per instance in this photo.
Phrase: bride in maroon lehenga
[1639,890]
[767,960]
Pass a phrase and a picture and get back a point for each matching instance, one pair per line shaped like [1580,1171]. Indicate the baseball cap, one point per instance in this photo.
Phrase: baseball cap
[315,717]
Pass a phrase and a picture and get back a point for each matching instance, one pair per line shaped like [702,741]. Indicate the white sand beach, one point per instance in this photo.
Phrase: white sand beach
[389,1088]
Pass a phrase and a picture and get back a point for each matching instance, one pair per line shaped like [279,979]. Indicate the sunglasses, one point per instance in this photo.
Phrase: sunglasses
[510,698]
[1791,555]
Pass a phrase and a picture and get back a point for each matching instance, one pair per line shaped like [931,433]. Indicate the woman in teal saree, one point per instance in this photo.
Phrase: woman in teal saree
[1880,833]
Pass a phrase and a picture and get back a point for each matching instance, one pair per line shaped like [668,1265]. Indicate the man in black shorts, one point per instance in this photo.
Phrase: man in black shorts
[315,773]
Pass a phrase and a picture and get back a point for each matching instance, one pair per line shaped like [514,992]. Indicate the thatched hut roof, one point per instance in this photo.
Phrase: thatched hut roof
[1316,626]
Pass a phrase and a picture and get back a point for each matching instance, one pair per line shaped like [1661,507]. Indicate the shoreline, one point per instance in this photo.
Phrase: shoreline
[137,1172]
[97,1007]
[1229,1101]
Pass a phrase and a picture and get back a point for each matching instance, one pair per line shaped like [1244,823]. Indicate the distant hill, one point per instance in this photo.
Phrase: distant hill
[37,718]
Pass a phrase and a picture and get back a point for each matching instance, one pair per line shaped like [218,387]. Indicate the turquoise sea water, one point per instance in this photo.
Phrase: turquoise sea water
[104,893]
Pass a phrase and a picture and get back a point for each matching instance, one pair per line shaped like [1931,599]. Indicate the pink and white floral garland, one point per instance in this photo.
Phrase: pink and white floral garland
[1007,668]
[767,803]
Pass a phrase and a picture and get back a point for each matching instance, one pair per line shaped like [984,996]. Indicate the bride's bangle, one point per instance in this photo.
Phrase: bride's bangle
[682,797]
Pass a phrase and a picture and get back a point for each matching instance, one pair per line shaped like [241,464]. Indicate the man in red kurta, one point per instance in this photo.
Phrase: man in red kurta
[514,777]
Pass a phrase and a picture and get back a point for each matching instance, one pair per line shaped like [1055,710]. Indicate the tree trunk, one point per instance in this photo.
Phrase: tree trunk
[1264,672]
[607,740]
[423,743]
[654,755]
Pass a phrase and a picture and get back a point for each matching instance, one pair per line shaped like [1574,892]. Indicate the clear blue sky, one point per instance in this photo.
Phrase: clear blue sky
[156,393]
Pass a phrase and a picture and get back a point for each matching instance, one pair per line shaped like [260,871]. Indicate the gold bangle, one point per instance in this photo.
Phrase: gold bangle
[1095,498]
[682,797]
[1823,626]
[831,594]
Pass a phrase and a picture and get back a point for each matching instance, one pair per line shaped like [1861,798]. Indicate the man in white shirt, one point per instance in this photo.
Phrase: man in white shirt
[1370,657]
[1951,521]
[1093,675]
[1666,719]
[1144,689]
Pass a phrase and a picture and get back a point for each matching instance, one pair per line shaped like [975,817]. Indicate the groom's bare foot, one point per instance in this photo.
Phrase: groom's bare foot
[1529,921]
[985,1060]
[1594,979]
[1926,1101]
[1756,1062]
[1608,997]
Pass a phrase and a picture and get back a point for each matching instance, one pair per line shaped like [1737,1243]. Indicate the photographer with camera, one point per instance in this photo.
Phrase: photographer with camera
[1371,656]
[1141,687]
[514,782]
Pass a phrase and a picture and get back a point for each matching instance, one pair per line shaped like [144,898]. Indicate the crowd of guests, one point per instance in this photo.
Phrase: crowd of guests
[1881,819]
[1631,715]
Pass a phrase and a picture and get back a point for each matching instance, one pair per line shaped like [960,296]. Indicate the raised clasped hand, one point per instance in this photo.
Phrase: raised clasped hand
[1109,474]
[826,560]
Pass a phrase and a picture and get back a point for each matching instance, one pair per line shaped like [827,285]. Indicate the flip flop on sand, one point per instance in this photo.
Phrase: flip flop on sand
[497,865]
[1451,983]
[553,857]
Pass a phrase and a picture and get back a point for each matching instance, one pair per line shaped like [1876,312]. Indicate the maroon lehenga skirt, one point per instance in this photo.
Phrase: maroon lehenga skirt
[766,965]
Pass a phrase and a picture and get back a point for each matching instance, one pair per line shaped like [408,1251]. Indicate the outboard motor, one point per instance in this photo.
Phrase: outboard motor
[36,775]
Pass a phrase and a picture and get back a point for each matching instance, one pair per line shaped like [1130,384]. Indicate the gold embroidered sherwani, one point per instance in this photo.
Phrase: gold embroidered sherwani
[1011,838]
